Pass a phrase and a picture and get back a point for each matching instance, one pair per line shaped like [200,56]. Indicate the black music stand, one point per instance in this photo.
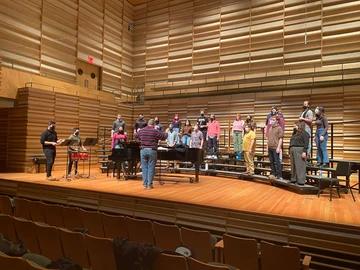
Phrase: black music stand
[67,143]
[90,142]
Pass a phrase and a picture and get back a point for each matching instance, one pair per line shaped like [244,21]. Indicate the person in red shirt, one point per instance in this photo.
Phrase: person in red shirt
[118,137]
[213,136]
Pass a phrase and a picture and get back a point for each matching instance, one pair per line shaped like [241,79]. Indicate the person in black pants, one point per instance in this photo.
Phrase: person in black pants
[49,141]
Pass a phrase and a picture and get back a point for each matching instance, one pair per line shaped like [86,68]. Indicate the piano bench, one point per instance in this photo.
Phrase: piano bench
[37,161]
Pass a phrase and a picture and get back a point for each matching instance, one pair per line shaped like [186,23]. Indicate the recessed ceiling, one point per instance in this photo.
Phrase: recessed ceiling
[138,2]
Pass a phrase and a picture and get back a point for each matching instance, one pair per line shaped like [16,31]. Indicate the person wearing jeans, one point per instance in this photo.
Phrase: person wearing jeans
[274,143]
[321,137]
[149,137]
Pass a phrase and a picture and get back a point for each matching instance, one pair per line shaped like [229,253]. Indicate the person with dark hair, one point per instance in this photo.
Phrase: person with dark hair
[74,148]
[321,137]
[172,141]
[139,123]
[299,143]
[49,141]
[149,137]
[119,122]
[186,133]
[307,116]
[118,137]
[176,123]
[274,143]
[158,126]
[213,136]
[250,121]
[197,139]
[202,124]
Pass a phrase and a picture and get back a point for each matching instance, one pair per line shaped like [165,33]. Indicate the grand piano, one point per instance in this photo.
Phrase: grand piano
[130,152]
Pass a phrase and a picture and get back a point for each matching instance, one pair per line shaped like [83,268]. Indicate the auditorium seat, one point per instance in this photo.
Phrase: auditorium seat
[201,242]
[53,215]
[49,242]
[12,263]
[242,253]
[74,247]
[7,226]
[281,257]
[71,217]
[36,261]
[22,208]
[92,221]
[140,230]
[33,266]
[167,236]
[26,232]
[6,206]
[101,253]
[36,211]
[198,265]
[173,262]
[114,226]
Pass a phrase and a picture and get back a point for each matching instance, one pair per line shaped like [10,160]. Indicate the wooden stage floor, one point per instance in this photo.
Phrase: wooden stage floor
[211,192]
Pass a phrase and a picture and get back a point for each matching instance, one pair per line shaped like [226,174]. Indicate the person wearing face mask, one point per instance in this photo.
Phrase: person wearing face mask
[49,141]
[213,136]
[197,139]
[202,124]
[139,123]
[186,133]
[299,143]
[172,141]
[307,116]
[249,148]
[119,122]
[157,125]
[176,123]
[321,137]
[119,136]
[74,148]
[274,143]
[238,134]
[250,121]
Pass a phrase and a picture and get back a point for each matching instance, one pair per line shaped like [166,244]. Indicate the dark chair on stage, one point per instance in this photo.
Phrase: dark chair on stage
[282,257]
[243,253]
[167,236]
[343,169]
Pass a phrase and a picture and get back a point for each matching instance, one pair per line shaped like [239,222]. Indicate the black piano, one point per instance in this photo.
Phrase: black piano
[130,152]
[192,155]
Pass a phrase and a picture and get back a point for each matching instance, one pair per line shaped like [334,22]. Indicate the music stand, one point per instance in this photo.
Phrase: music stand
[67,143]
[90,142]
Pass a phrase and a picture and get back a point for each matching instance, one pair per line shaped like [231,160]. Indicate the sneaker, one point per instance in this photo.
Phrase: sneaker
[50,178]
[68,176]
[145,186]
[279,178]
[209,156]
[272,177]
[150,187]
[325,165]
[214,157]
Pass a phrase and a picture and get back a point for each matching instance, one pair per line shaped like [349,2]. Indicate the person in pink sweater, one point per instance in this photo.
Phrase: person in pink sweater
[213,136]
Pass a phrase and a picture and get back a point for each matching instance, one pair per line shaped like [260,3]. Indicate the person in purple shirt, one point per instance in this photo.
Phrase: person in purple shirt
[149,137]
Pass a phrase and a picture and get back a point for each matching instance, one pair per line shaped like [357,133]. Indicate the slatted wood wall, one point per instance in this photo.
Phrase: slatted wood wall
[24,124]
[4,114]
[48,37]
[340,103]
[229,40]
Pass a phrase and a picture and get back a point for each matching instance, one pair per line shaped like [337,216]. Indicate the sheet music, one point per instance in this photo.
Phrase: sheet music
[160,148]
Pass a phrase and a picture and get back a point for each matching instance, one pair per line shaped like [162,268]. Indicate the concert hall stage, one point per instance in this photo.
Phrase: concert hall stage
[169,202]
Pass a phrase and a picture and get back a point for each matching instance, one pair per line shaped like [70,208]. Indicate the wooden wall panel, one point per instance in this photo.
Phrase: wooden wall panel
[4,122]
